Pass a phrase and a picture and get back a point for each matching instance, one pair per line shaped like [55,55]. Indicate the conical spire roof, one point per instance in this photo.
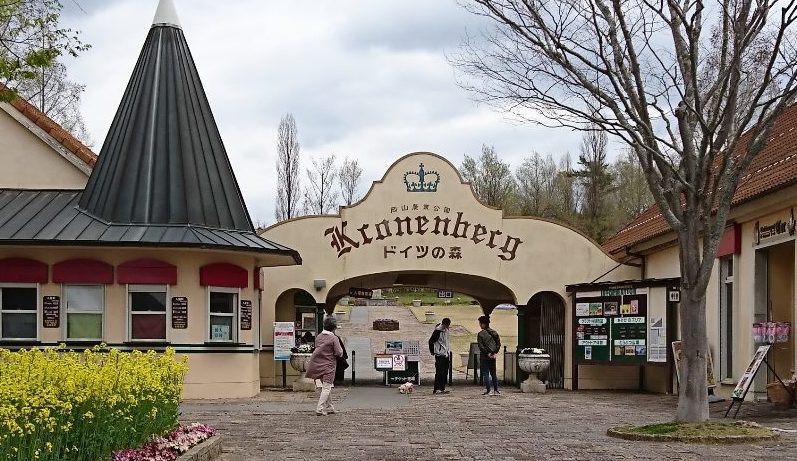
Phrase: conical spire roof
[163,160]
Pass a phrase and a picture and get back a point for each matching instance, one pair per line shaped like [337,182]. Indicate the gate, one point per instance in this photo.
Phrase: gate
[552,334]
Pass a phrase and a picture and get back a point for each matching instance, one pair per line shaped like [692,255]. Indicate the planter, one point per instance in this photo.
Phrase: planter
[533,364]
[416,303]
[386,325]
[299,363]
[779,395]
[208,450]
[430,316]
[464,356]
[340,316]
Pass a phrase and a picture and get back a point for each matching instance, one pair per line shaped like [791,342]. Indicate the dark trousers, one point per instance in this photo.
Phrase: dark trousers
[488,372]
[440,372]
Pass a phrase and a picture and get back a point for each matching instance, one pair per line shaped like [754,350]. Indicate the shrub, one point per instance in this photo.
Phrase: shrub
[59,405]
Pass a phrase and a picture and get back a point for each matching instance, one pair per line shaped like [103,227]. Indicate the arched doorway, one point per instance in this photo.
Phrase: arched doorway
[300,307]
[542,323]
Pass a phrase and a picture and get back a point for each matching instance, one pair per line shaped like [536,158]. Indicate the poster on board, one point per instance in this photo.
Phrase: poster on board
[747,378]
[678,355]
[283,340]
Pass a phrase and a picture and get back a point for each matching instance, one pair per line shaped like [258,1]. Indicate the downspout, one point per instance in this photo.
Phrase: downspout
[640,257]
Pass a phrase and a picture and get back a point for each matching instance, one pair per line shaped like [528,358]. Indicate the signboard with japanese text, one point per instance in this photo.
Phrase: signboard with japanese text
[283,340]
[611,325]
[747,378]
[246,314]
[179,312]
[51,312]
[364,293]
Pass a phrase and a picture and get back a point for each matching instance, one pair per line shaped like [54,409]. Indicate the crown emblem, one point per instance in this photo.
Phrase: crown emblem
[421,180]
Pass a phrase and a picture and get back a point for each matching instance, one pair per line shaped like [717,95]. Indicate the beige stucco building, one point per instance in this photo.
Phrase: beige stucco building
[421,225]
[753,279]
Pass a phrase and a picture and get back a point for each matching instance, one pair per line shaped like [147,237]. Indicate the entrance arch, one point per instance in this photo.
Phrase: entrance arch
[541,323]
[422,220]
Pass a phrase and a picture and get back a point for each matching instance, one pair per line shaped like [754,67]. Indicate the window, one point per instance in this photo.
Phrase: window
[726,318]
[223,311]
[18,311]
[84,308]
[147,306]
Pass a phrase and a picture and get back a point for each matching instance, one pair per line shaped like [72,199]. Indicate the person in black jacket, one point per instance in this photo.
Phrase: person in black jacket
[341,364]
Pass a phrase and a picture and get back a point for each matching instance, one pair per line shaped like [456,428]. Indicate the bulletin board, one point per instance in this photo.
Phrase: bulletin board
[611,326]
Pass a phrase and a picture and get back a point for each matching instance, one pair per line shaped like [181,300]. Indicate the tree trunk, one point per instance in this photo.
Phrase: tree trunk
[693,394]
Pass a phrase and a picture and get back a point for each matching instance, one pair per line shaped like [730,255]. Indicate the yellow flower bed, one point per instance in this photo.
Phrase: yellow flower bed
[62,405]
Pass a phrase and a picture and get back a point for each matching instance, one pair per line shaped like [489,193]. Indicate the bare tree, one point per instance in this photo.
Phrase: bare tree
[536,186]
[349,177]
[320,196]
[631,194]
[596,182]
[288,188]
[567,193]
[490,178]
[57,97]
[31,38]
[654,75]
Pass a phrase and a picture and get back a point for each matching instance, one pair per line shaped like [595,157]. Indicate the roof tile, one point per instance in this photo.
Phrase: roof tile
[774,168]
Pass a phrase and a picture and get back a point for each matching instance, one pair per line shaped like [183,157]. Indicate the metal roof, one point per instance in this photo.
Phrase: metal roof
[52,217]
[163,161]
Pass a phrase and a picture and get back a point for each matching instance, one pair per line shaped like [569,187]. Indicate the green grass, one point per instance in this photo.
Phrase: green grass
[427,298]
[706,432]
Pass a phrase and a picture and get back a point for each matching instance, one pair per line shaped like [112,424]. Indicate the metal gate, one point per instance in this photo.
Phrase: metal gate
[552,335]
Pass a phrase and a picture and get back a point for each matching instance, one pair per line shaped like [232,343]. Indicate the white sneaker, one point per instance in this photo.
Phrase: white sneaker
[494,393]
[331,409]
[320,412]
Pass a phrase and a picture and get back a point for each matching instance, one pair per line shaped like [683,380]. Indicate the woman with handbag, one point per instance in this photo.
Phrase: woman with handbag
[323,362]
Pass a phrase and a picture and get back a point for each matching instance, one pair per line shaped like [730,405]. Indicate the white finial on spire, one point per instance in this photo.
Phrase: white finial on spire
[166,15]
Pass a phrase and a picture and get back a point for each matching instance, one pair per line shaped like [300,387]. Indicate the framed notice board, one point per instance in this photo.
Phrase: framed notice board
[611,326]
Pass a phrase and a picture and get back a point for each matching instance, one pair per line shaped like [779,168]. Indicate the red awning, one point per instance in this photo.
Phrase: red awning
[147,271]
[82,271]
[223,275]
[731,242]
[22,270]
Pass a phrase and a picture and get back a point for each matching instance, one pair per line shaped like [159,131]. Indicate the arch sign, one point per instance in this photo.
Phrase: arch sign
[421,224]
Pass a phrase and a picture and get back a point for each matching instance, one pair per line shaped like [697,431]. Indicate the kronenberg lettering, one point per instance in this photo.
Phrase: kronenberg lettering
[401,227]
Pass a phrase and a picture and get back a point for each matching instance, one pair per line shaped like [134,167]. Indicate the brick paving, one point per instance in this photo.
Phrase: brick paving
[377,423]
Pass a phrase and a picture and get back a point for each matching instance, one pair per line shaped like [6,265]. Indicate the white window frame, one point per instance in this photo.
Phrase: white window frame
[37,311]
[236,312]
[148,288]
[65,312]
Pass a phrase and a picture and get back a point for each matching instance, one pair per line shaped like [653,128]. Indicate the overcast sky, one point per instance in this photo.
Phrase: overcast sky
[364,79]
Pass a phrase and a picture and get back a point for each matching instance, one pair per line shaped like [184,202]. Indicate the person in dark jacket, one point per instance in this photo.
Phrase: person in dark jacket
[489,344]
[439,347]
[341,364]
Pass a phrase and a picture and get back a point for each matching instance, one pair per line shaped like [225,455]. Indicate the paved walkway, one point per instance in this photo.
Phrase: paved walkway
[378,423]
[358,334]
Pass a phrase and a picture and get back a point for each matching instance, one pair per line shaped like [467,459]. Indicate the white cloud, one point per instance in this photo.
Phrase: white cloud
[364,79]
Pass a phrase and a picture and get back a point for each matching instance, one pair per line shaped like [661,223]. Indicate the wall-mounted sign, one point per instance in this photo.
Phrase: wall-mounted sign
[445,294]
[365,293]
[393,236]
[618,291]
[246,314]
[766,232]
[179,312]
[674,296]
[283,340]
[51,310]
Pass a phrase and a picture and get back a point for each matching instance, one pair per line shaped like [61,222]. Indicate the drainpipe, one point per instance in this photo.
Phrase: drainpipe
[638,256]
